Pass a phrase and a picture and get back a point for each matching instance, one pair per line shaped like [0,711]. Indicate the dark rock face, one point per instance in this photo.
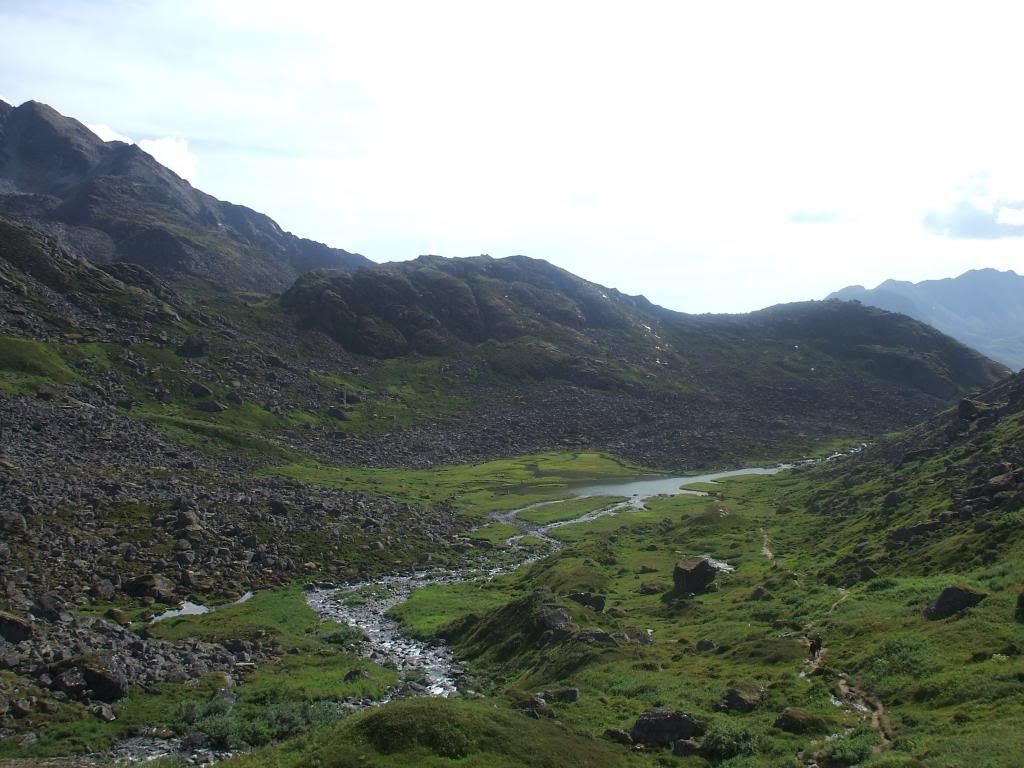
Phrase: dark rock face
[590,600]
[116,203]
[796,720]
[659,727]
[153,585]
[1019,613]
[953,600]
[14,629]
[106,682]
[693,576]
[196,345]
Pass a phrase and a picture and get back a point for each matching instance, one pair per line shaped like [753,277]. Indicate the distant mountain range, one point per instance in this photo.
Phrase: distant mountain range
[983,308]
[112,201]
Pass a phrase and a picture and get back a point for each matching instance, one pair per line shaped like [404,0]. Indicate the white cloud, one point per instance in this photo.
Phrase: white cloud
[107,133]
[677,149]
[1011,216]
[172,153]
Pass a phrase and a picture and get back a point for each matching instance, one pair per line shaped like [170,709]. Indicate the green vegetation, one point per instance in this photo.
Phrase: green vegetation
[300,688]
[472,488]
[435,733]
[947,686]
[569,509]
[25,366]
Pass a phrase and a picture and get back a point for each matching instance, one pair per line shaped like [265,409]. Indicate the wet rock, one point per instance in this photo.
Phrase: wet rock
[953,600]
[1019,613]
[693,576]
[14,629]
[796,720]
[590,600]
[661,726]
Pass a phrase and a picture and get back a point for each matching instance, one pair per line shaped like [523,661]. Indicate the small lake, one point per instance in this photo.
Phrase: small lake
[644,488]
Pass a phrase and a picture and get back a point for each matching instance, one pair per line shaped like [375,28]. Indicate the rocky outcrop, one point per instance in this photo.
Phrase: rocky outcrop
[954,600]
[663,726]
[693,576]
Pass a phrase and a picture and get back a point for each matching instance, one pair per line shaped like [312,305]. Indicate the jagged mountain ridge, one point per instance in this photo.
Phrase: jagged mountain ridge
[112,201]
[983,308]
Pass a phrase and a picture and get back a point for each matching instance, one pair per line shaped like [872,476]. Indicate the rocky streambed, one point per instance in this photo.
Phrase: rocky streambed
[428,666]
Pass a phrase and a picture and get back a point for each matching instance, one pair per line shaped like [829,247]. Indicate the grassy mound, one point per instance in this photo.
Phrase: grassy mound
[439,732]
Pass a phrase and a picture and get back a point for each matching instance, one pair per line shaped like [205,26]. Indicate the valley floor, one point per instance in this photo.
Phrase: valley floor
[616,649]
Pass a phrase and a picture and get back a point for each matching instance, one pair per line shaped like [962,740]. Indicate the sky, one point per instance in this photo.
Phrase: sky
[711,156]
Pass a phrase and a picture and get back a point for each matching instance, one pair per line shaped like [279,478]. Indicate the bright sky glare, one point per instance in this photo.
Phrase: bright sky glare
[711,156]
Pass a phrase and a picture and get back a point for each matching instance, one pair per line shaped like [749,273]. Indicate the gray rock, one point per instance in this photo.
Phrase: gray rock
[693,576]
[195,345]
[662,726]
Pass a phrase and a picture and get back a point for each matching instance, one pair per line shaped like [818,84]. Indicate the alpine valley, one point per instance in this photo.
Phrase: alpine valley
[265,502]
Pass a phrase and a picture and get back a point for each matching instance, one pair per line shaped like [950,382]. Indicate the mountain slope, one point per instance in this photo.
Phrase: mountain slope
[528,317]
[114,202]
[983,308]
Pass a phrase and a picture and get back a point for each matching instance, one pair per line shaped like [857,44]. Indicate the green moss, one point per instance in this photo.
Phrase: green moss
[26,365]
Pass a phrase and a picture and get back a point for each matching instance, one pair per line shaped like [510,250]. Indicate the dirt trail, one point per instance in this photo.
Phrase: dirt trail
[845,694]
[766,545]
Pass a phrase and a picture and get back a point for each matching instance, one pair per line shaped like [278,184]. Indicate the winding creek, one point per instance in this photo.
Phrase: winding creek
[365,605]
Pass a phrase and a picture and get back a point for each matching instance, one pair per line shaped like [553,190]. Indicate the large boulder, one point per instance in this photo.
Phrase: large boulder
[744,697]
[14,629]
[195,345]
[662,726]
[104,679]
[153,585]
[50,607]
[693,576]
[796,720]
[953,600]
[557,620]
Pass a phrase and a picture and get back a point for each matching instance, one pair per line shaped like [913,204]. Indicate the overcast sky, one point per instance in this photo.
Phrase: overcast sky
[711,156]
